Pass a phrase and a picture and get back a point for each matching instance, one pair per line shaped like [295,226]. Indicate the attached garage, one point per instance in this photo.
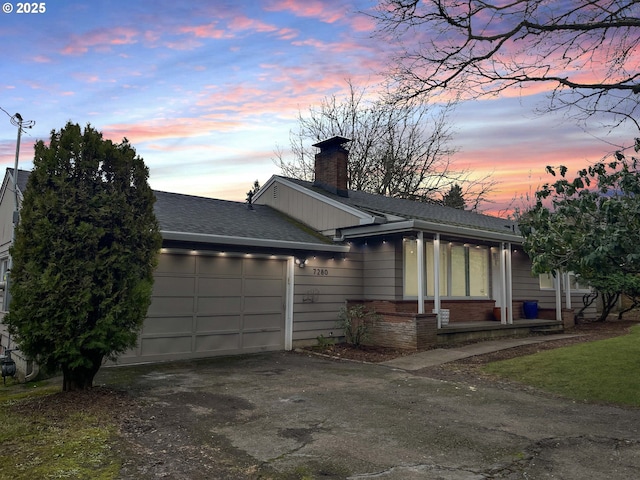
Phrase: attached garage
[206,305]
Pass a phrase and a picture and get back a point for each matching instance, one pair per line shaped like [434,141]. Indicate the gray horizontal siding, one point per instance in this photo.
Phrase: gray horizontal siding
[526,286]
[321,289]
[382,271]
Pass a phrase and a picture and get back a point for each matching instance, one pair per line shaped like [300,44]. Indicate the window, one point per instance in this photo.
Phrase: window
[410,255]
[546,281]
[464,270]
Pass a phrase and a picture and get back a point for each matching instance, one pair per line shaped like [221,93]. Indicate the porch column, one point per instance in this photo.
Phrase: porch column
[421,266]
[567,290]
[556,284]
[508,285]
[503,285]
[436,276]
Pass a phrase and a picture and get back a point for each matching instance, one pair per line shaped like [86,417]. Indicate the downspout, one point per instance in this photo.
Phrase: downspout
[436,276]
[567,291]
[421,265]
[288,308]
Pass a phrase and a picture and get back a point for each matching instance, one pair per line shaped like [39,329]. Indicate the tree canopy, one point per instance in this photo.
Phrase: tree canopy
[590,225]
[396,150]
[84,254]
[584,52]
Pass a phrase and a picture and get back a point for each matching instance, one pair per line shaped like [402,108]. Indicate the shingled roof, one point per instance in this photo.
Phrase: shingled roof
[221,218]
[207,220]
[397,209]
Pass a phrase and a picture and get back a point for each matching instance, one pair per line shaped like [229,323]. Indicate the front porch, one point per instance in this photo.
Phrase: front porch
[400,325]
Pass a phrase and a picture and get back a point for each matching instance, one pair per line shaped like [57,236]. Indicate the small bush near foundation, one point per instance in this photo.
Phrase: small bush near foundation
[324,342]
[355,321]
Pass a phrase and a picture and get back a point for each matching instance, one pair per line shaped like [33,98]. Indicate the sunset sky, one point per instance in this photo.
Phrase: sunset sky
[206,90]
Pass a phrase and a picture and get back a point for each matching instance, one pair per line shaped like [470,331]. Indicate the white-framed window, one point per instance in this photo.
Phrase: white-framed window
[464,270]
[575,285]
[547,282]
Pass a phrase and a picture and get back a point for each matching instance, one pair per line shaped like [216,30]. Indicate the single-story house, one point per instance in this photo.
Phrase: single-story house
[272,275]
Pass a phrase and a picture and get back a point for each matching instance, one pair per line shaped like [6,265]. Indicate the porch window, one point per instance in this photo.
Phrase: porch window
[546,281]
[464,270]
[575,285]
[410,256]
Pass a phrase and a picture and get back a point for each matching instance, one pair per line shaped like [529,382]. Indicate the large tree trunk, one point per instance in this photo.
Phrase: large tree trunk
[80,378]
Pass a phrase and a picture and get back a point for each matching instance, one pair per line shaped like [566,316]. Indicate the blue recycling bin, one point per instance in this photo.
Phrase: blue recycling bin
[530,308]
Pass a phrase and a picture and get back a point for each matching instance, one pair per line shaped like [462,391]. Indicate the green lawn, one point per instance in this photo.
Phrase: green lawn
[45,435]
[601,371]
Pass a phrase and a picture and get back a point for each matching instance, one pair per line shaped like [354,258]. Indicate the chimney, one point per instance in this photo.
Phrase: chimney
[331,166]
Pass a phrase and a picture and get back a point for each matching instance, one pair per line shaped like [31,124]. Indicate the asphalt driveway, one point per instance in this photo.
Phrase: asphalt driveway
[289,415]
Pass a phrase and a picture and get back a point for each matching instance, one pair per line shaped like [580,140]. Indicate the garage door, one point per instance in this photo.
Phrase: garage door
[213,305]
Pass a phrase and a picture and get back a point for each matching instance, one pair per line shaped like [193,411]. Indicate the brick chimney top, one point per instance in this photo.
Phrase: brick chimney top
[332,143]
[331,166]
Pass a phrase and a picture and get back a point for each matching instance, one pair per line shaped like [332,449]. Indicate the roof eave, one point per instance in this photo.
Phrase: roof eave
[408,225]
[252,242]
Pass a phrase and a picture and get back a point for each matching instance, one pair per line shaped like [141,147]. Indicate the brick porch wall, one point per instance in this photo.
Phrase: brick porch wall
[402,330]
[460,310]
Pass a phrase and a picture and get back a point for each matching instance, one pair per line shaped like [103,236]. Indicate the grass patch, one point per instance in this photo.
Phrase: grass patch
[600,371]
[46,434]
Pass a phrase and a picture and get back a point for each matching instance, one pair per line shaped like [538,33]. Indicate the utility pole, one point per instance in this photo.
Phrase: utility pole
[17,121]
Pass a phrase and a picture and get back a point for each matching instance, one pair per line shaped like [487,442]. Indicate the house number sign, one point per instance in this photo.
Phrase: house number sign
[321,272]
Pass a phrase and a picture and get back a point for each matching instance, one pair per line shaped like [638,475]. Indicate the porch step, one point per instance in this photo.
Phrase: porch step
[548,329]
[474,331]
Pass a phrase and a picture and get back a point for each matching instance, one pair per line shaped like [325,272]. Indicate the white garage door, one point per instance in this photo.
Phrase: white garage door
[213,305]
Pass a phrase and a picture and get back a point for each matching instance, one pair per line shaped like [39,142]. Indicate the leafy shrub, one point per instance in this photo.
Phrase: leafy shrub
[355,321]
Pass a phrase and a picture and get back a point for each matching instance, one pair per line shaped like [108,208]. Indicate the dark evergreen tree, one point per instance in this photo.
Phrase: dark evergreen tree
[84,254]
[454,198]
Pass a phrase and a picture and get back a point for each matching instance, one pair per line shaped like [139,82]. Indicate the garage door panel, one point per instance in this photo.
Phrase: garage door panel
[263,268]
[262,340]
[229,266]
[170,306]
[171,286]
[263,305]
[219,305]
[164,325]
[218,323]
[219,287]
[266,287]
[216,343]
[264,321]
[165,345]
[176,264]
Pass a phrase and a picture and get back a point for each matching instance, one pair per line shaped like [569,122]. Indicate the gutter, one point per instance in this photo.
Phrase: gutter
[252,242]
[407,225]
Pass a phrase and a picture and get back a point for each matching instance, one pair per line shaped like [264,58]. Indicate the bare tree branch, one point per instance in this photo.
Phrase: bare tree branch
[398,149]
[587,51]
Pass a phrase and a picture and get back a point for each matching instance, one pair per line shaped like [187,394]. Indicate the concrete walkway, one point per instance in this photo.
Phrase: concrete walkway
[438,356]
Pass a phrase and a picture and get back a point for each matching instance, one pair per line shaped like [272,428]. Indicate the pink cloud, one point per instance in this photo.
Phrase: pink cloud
[361,23]
[100,39]
[205,31]
[310,8]
[166,129]
[41,59]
